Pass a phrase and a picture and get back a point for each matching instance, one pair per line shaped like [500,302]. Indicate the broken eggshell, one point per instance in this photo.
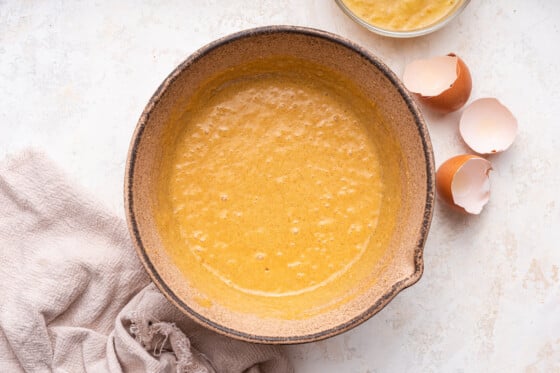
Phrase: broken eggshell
[487,126]
[442,83]
[463,182]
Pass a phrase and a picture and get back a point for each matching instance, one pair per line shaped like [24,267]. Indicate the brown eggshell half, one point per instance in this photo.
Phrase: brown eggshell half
[474,193]
[487,126]
[452,98]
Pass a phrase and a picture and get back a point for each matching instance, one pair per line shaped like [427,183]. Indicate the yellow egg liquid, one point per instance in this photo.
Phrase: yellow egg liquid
[279,189]
[402,15]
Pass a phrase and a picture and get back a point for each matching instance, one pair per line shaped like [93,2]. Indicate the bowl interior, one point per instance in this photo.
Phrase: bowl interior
[401,265]
[404,33]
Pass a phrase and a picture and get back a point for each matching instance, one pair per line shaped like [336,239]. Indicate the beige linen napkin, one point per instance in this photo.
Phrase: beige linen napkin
[74,297]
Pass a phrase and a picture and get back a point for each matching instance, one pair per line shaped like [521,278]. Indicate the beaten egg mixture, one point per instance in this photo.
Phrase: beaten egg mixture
[402,15]
[278,189]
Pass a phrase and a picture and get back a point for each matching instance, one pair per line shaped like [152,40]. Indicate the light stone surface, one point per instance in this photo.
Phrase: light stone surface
[75,76]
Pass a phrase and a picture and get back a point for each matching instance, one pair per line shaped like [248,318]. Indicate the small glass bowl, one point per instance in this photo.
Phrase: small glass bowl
[403,34]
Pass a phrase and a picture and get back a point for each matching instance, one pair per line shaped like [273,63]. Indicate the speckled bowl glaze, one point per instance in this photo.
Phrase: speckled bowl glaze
[404,265]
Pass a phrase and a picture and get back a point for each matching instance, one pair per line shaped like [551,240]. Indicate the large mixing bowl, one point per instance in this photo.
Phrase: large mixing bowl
[402,263]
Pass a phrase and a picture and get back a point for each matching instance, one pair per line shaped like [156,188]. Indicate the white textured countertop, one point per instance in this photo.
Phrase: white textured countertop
[75,76]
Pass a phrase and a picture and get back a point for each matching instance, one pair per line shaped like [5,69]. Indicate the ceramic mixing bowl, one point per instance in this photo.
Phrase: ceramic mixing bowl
[402,263]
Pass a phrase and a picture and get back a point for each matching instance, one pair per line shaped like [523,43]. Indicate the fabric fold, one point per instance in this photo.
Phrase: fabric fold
[72,287]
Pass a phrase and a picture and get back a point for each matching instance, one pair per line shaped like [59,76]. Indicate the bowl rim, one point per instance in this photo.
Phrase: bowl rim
[402,34]
[428,207]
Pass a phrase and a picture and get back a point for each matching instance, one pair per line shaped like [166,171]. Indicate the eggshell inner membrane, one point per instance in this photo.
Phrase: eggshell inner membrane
[487,126]
[470,187]
[431,77]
